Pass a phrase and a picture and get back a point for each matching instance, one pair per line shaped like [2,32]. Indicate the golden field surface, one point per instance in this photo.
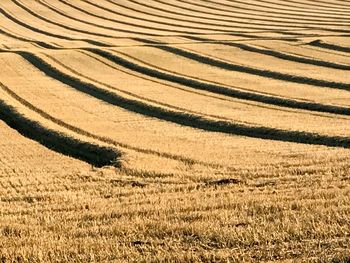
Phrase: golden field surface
[174,131]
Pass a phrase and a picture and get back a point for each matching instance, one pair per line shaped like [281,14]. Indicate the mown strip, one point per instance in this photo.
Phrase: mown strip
[158,28]
[46,33]
[182,118]
[61,25]
[91,153]
[40,43]
[289,8]
[321,44]
[214,88]
[104,139]
[244,69]
[276,54]
[236,17]
[265,13]
[311,12]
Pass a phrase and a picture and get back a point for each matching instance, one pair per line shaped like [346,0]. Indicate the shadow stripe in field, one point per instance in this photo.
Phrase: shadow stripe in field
[274,53]
[231,92]
[240,68]
[46,33]
[183,118]
[94,154]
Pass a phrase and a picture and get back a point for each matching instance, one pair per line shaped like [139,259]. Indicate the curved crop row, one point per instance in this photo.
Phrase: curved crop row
[282,5]
[270,10]
[264,15]
[103,139]
[218,89]
[293,11]
[278,54]
[116,29]
[184,118]
[94,154]
[254,71]
[95,34]
[46,33]
[321,44]
[246,20]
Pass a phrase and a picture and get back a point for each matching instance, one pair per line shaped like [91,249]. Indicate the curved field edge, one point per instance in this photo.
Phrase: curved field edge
[91,153]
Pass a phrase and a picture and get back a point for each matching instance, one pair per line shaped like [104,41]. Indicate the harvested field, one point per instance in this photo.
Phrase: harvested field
[174,131]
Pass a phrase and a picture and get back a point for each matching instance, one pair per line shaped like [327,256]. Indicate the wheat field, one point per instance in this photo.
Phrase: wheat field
[174,131]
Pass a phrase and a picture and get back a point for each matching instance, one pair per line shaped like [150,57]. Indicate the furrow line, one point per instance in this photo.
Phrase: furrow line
[185,119]
[91,153]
